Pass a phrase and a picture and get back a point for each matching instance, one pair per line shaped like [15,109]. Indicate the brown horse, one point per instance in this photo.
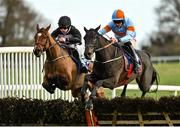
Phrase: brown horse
[109,66]
[60,70]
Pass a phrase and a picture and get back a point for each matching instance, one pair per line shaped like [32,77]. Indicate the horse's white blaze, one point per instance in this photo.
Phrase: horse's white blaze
[39,34]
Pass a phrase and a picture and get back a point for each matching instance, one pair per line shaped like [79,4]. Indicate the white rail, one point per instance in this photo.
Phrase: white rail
[175,89]
[21,75]
[163,59]
[31,91]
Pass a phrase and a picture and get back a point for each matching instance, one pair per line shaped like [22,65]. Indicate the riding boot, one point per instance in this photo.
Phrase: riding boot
[135,59]
[83,68]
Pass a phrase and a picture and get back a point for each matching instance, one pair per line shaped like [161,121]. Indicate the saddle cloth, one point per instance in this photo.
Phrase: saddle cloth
[129,65]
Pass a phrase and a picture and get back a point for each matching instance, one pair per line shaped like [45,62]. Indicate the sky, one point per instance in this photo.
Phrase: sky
[92,13]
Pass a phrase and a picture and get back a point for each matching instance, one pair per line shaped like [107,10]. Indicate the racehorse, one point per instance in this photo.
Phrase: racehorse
[109,65]
[60,70]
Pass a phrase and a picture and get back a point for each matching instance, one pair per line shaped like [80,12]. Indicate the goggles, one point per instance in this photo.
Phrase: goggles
[64,27]
[118,21]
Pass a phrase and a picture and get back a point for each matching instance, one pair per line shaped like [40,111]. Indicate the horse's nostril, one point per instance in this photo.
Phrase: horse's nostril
[36,51]
[89,54]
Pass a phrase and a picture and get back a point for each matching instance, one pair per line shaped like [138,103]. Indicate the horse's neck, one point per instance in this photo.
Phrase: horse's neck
[108,53]
[54,51]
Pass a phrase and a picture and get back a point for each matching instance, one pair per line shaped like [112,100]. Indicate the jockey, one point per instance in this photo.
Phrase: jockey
[68,34]
[124,31]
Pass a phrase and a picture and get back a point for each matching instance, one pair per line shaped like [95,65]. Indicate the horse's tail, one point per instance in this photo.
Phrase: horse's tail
[147,54]
[155,78]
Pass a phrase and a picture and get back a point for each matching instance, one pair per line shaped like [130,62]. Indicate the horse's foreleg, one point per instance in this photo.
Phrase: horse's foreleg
[94,90]
[107,83]
[85,85]
[84,93]
[48,86]
[123,94]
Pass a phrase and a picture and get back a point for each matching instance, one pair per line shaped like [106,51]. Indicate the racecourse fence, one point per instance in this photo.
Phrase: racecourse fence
[164,59]
[21,75]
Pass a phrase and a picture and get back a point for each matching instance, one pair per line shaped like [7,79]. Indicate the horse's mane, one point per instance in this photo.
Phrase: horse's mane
[48,34]
[100,35]
[51,38]
[106,40]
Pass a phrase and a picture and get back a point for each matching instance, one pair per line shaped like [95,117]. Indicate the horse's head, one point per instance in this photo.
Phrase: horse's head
[41,40]
[91,41]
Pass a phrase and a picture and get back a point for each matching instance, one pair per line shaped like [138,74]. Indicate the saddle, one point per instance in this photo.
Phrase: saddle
[74,56]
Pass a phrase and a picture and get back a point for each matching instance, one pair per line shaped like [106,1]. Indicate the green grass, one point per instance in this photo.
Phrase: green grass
[169,74]
[137,93]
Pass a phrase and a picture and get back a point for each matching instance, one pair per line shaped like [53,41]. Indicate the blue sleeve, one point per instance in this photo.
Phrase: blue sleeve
[102,31]
[130,33]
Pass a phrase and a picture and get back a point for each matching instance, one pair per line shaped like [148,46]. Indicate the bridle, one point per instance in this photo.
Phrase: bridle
[44,45]
[45,49]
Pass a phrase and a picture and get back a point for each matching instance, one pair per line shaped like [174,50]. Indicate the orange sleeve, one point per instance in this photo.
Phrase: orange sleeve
[131,28]
[107,28]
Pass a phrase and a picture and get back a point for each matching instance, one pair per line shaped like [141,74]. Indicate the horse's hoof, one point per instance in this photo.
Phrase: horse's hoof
[51,91]
[83,90]
[89,105]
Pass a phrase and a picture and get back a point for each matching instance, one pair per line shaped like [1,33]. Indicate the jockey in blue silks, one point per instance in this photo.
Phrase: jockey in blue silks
[124,31]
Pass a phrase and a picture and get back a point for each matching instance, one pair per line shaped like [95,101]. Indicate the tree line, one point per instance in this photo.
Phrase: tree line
[166,40]
[18,21]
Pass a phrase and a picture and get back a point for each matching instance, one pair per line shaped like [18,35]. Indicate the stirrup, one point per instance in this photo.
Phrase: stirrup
[84,69]
[137,69]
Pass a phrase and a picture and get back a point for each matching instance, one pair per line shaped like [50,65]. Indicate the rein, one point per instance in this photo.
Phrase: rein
[104,47]
[111,60]
[60,57]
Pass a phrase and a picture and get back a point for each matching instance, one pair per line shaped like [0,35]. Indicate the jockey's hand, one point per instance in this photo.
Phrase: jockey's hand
[62,39]
[113,40]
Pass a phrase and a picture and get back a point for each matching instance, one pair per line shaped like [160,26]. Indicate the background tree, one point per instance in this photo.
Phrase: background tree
[17,23]
[166,40]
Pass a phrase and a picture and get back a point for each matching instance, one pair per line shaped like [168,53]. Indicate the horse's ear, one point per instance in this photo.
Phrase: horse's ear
[98,28]
[37,27]
[47,28]
[85,29]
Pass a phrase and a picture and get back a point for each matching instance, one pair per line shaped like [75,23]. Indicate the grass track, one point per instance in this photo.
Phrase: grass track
[169,74]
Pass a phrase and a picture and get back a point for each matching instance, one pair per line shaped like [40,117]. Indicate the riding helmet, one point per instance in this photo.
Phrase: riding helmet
[64,21]
[118,15]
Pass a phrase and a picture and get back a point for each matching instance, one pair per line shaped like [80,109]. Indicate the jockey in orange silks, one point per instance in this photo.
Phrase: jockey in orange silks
[124,31]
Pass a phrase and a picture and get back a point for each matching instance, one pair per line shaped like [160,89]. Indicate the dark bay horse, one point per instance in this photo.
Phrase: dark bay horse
[60,70]
[109,65]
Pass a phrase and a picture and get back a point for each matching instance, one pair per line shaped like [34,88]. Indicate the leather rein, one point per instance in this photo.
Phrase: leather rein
[104,47]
